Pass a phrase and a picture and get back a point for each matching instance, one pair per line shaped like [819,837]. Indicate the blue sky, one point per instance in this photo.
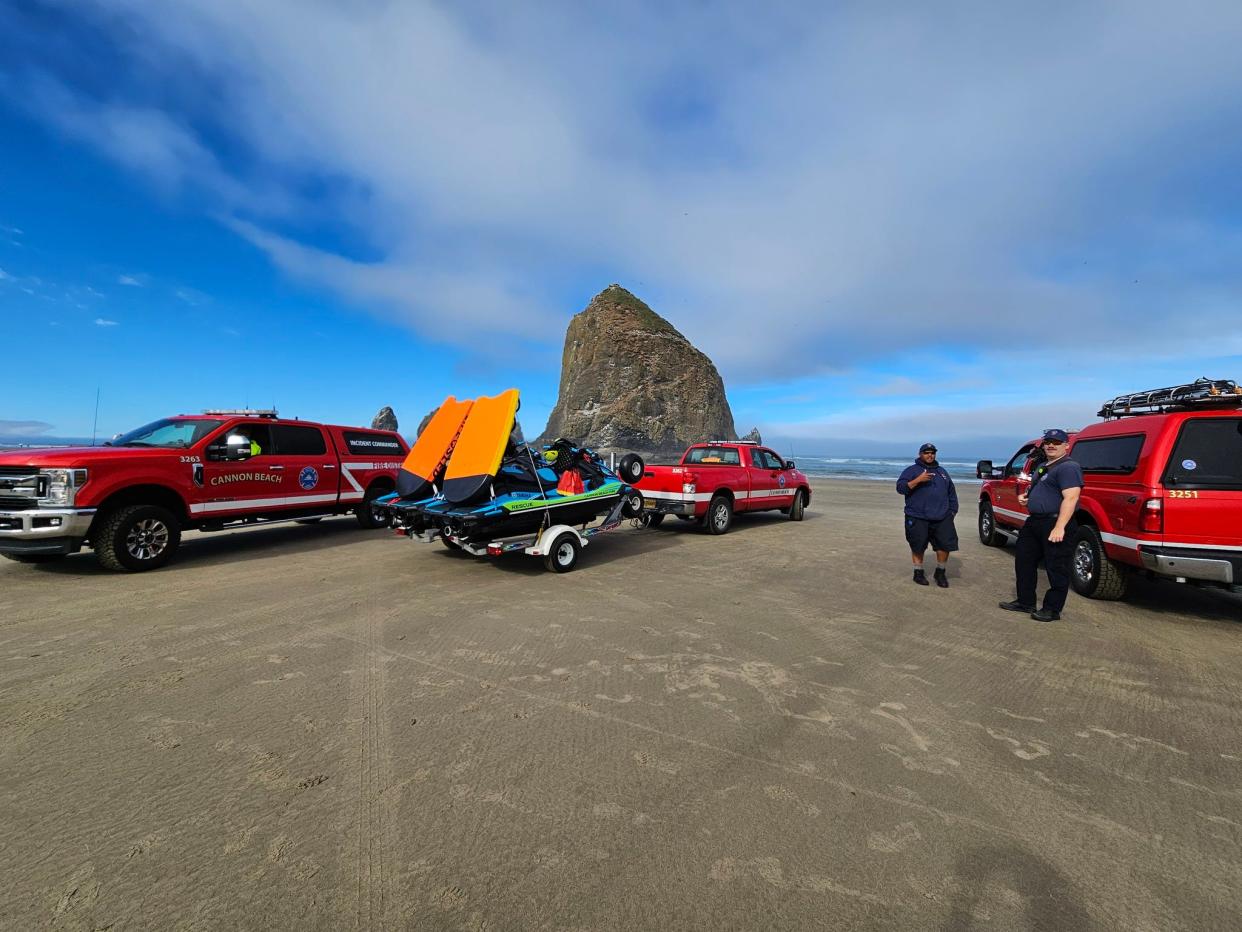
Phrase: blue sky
[883,224]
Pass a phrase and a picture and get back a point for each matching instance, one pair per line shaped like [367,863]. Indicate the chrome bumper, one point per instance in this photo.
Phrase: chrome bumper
[44,530]
[665,506]
[1188,567]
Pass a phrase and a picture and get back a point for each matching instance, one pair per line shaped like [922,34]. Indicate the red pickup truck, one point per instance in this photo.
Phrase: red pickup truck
[131,498]
[1162,492]
[714,480]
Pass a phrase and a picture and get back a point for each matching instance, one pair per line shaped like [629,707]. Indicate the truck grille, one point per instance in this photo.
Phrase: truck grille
[17,503]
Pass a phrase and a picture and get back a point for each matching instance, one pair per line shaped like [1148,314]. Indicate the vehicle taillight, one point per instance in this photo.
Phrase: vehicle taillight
[1152,519]
[688,488]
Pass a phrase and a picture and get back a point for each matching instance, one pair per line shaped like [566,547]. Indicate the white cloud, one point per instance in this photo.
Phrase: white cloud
[24,428]
[798,191]
[5,276]
[133,281]
[101,322]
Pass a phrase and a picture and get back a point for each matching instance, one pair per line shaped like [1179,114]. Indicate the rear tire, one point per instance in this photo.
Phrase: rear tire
[563,556]
[630,469]
[719,515]
[367,517]
[989,536]
[797,510]
[136,538]
[33,557]
[1092,573]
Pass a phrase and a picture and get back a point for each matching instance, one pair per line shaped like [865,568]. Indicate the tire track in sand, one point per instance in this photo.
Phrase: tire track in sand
[373,779]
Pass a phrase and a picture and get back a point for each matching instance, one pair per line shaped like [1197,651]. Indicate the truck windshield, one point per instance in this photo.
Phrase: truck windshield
[1208,455]
[168,433]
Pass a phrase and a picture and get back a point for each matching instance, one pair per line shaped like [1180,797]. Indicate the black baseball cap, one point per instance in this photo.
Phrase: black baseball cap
[1056,435]
[927,446]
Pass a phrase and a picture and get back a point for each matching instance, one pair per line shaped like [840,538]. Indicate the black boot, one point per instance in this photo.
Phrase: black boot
[1016,606]
[920,578]
[942,580]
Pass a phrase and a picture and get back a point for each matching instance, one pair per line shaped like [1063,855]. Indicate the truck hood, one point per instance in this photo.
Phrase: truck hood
[81,456]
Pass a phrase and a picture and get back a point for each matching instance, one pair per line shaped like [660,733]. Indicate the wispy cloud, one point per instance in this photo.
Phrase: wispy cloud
[800,191]
[133,281]
[103,322]
[24,428]
[5,276]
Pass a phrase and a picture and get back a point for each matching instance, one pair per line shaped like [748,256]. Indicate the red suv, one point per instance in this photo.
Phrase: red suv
[1162,493]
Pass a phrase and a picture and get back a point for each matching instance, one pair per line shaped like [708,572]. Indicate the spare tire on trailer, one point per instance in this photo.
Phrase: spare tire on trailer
[631,467]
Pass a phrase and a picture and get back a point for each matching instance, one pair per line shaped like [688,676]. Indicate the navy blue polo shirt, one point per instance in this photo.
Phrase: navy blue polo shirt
[1049,481]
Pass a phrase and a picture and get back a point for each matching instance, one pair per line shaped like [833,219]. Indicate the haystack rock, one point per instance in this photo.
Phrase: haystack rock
[385,420]
[630,381]
[754,436]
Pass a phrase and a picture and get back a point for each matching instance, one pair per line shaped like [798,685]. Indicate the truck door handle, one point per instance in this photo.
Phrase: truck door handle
[649,475]
[1132,499]
[275,467]
[328,466]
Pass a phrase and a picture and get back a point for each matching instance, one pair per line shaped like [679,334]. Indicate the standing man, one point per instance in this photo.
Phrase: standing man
[931,503]
[1049,531]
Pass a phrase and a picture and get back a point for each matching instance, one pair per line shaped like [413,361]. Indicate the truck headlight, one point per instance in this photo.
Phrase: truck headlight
[62,485]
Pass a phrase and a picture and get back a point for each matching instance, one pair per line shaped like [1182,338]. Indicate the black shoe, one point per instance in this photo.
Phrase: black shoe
[920,578]
[941,579]
[1016,606]
[1046,614]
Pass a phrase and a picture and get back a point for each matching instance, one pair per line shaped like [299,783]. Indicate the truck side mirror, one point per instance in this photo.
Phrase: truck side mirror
[789,464]
[233,449]
[983,470]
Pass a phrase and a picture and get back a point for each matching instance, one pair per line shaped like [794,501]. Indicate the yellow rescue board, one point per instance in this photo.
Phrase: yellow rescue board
[426,460]
[480,446]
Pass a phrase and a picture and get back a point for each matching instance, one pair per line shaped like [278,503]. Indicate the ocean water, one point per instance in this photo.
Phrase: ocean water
[876,468]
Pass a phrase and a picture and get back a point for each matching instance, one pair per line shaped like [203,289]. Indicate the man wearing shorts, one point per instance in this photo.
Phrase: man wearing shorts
[931,504]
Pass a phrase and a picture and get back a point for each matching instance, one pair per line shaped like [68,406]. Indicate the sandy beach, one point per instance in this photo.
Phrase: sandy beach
[317,727]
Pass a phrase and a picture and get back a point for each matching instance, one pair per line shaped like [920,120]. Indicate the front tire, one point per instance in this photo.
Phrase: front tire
[988,534]
[719,514]
[136,538]
[563,556]
[797,510]
[1092,573]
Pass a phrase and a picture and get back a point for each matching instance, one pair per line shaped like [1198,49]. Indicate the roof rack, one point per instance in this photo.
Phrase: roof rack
[1201,393]
[243,412]
[753,443]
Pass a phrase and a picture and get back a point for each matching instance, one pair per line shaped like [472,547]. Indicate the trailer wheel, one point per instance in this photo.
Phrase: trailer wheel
[563,556]
[653,519]
[630,469]
[632,506]
[719,514]
[1092,573]
[449,542]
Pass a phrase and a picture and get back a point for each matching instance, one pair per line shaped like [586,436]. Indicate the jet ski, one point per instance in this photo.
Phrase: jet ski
[494,485]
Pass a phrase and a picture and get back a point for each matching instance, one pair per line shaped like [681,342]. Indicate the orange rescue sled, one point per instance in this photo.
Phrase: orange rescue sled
[480,447]
[424,465]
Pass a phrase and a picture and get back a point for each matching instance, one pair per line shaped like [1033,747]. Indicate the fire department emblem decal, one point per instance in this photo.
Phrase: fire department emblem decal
[308,478]
[781,482]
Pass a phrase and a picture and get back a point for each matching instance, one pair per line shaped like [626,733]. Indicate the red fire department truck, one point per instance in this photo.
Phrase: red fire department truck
[1162,493]
[718,478]
[131,498]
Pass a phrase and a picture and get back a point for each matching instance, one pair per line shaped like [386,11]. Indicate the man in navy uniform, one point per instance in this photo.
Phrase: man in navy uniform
[931,504]
[1049,531]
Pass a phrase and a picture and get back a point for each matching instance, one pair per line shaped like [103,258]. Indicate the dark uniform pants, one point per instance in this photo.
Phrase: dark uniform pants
[1033,544]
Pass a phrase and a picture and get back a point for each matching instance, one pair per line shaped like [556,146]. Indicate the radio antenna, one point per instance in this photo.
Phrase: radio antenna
[95,425]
